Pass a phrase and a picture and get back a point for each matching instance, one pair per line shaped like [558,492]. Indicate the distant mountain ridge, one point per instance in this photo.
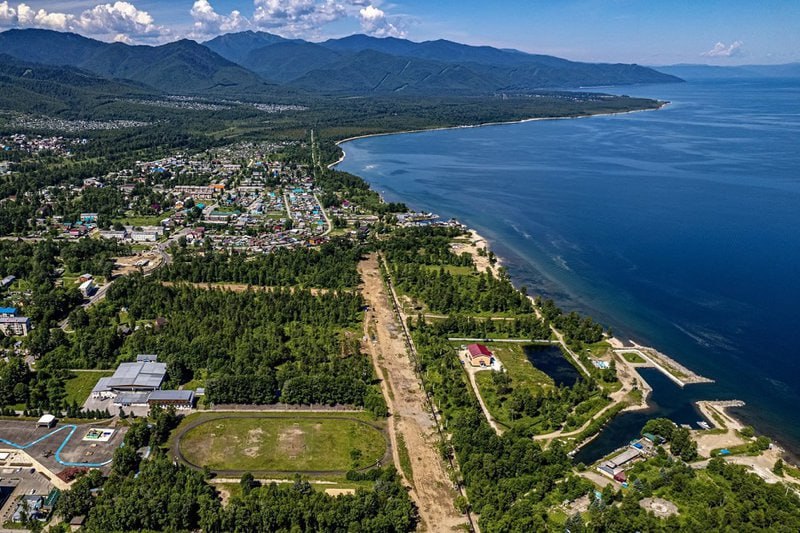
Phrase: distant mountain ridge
[363,64]
[178,67]
[787,70]
[262,65]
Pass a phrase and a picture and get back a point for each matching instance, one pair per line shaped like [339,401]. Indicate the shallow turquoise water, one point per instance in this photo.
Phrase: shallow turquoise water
[678,228]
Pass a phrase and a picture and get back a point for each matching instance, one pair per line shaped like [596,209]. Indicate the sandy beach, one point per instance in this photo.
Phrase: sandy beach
[481,259]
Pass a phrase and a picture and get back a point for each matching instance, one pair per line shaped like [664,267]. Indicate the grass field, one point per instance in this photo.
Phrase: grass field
[295,443]
[633,357]
[521,371]
[79,387]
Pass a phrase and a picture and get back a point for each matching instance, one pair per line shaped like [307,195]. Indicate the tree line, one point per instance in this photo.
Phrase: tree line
[331,266]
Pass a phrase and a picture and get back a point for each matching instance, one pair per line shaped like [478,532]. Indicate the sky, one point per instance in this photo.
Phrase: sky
[649,32]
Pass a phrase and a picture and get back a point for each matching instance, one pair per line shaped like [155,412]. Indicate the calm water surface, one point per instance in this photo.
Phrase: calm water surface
[551,361]
[679,228]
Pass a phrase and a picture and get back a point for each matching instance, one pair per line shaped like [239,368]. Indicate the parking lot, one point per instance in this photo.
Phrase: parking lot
[24,480]
[51,450]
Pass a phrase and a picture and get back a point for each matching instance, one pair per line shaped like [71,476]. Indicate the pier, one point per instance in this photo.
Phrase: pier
[675,371]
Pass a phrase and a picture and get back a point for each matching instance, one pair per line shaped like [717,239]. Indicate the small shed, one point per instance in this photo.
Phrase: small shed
[46,421]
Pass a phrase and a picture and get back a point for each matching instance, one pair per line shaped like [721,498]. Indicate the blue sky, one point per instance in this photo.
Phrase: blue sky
[649,32]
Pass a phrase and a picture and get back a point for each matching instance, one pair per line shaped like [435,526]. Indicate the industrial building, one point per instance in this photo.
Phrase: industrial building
[131,377]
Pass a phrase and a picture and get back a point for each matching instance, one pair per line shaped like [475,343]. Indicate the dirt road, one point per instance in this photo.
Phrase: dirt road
[432,489]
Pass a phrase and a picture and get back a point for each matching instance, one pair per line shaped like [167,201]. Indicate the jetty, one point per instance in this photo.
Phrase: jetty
[668,366]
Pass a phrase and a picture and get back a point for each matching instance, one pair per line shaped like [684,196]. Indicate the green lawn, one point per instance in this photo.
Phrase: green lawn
[296,443]
[79,387]
[632,357]
[455,270]
[490,398]
[522,372]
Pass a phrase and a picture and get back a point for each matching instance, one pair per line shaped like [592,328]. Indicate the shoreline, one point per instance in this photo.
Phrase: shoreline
[656,359]
[662,105]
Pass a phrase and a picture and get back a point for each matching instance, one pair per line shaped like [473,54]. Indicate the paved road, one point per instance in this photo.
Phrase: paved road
[160,248]
[324,214]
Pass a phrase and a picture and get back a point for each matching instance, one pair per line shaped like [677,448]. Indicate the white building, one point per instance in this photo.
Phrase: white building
[15,325]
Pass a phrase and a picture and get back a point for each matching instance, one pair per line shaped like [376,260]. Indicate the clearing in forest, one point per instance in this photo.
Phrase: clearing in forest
[258,442]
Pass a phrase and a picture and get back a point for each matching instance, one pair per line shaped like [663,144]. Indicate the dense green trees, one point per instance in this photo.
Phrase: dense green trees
[446,293]
[524,326]
[681,443]
[162,496]
[723,497]
[257,347]
[332,266]
[298,507]
[427,245]
[576,329]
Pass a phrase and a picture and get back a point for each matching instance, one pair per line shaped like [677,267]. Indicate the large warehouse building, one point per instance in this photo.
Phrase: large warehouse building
[131,377]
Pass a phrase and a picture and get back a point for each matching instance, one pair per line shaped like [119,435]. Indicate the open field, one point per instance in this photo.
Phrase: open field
[633,357]
[79,387]
[521,371]
[281,442]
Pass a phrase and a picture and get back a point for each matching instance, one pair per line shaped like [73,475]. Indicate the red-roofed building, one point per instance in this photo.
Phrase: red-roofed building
[480,355]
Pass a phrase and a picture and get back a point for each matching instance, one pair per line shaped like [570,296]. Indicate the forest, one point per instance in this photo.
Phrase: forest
[279,345]
[331,266]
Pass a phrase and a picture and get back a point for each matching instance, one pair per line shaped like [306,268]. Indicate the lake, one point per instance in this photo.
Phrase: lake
[678,228]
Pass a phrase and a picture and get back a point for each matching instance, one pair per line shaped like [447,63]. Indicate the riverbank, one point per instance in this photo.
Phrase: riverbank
[661,105]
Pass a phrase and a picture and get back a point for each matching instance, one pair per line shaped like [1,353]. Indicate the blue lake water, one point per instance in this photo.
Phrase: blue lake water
[679,228]
[552,362]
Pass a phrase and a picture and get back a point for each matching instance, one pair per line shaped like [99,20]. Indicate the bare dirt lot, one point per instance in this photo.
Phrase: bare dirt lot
[146,261]
[432,489]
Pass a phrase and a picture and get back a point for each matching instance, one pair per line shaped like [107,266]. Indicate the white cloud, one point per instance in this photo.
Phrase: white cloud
[374,22]
[122,21]
[208,22]
[119,21]
[297,17]
[722,50]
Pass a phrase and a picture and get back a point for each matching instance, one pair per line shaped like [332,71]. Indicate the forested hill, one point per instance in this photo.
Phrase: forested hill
[363,64]
[52,90]
[181,67]
[260,65]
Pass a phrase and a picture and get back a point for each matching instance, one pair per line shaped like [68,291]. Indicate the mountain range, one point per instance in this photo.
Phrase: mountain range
[787,70]
[50,90]
[265,66]
[362,65]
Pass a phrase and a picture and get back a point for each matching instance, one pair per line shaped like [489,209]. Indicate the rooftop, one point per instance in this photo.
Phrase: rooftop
[477,350]
[14,320]
[140,375]
[172,395]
